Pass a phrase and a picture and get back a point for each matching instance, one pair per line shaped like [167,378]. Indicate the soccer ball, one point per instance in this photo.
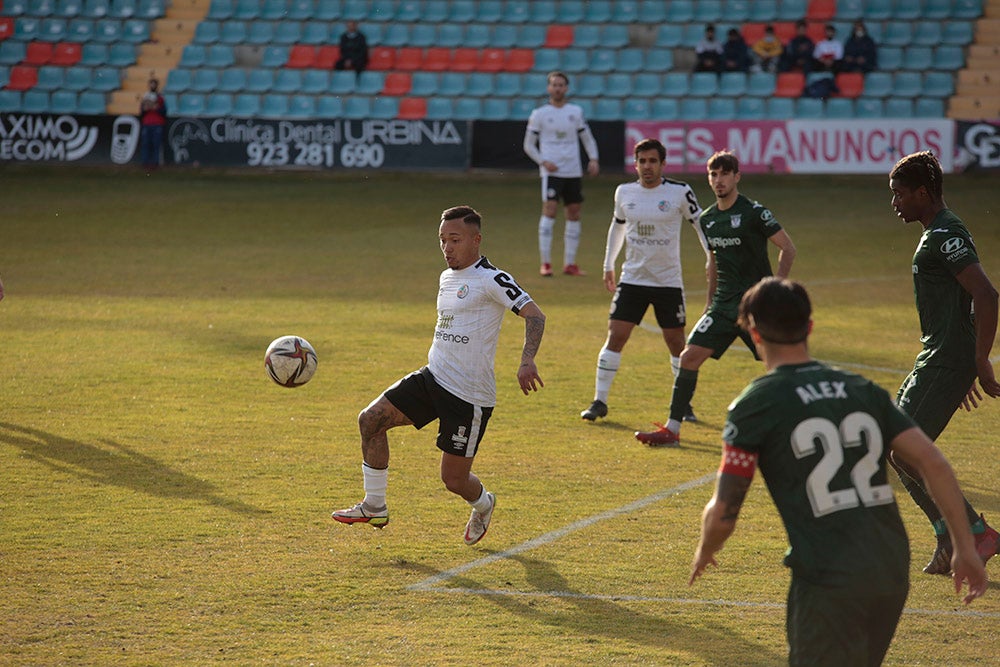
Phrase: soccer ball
[290,361]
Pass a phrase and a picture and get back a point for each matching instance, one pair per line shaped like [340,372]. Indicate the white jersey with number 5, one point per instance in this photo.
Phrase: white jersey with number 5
[471,304]
[652,219]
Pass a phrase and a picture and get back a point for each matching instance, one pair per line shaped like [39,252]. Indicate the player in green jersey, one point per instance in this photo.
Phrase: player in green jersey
[957,306]
[821,438]
[737,230]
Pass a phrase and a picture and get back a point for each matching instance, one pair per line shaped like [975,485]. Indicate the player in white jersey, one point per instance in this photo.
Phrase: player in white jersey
[647,222]
[457,386]
[552,140]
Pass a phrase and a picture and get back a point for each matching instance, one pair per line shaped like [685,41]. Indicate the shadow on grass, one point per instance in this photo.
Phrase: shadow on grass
[117,465]
[595,617]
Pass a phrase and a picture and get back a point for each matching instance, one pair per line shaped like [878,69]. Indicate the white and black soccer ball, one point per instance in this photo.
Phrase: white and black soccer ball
[290,361]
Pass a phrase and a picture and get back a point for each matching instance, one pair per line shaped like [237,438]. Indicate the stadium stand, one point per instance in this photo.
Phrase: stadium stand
[626,58]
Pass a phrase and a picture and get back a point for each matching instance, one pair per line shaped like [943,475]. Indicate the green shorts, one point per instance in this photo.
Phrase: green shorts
[827,629]
[932,394]
[717,330]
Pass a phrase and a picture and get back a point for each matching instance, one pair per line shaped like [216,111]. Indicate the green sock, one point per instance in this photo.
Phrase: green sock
[939,527]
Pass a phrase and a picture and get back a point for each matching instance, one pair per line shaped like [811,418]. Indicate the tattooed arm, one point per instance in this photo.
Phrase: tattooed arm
[719,520]
[534,326]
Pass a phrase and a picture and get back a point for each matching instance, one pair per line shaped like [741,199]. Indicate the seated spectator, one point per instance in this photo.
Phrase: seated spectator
[708,52]
[828,52]
[735,53]
[860,52]
[768,50]
[798,53]
[353,49]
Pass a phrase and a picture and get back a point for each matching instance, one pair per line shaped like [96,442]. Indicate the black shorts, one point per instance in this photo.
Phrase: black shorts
[630,303]
[569,190]
[461,424]
[716,330]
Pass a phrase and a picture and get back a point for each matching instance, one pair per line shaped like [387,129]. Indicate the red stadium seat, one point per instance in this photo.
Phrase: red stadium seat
[38,53]
[784,31]
[816,30]
[412,108]
[22,77]
[6,26]
[302,56]
[752,32]
[66,53]
[519,60]
[382,58]
[790,84]
[435,59]
[491,60]
[559,36]
[409,58]
[397,83]
[821,10]
[850,84]
[327,57]
[464,60]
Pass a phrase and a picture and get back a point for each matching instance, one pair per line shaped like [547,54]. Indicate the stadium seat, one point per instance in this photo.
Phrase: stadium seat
[647,84]
[381,10]
[342,82]
[519,60]
[721,108]
[681,11]
[12,52]
[898,107]
[637,108]
[246,10]
[50,77]
[477,36]
[327,56]
[959,33]
[607,108]
[423,84]
[207,32]
[850,84]
[937,9]
[62,101]
[6,27]
[462,11]
[4,75]
[821,10]
[467,108]
[385,108]
[967,9]
[874,10]
[52,29]
[10,100]
[906,84]
[315,81]
[479,84]
[191,104]
[91,102]
[780,108]
[38,53]
[614,36]
[585,36]
[302,106]
[316,33]
[233,80]
[77,79]
[868,107]
[105,79]
[507,84]
[839,107]
[274,106]
[412,108]
[123,54]
[897,34]
[949,58]
[521,107]
[370,83]
[26,28]
[918,58]
[274,56]
[396,35]
[123,9]
[439,108]
[890,58]
[750,108]
[878,84]
[221,10]
[591,85]
[574,60]
[732,84]
[703,84]
[238,32]
[451,84]
[136,31]
[669,35]
[301,56]
[503,36]
[464,60]
[761,84]
[618,85]
[927,33]
[397,83]
[632,60]
[789,84]
[653,12]
[450,35]
[92,54]
[928,108]
[35,101]
[383,58]
[707,11]
[809,108]
[204,80]
[287,32]
[329,10]
[496,108]
[300,10]
[489,60]
[569,12]
[601,60]
[792,10]
[287,81]
[423,35]
[665,108]
[260,81]
[192,56]
[546,60]
[938,84]
[675,84]
[96,9]
[246,105]
[693,108]
[65,8]
[328,106]
[219,104]
[258,33]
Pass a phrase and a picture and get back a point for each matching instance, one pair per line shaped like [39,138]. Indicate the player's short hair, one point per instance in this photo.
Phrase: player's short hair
[466,214]
[778,308]
[648,144]
[724,160]
[562,75]
[920,169]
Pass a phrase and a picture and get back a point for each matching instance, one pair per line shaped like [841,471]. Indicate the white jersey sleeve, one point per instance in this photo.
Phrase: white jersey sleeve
[471,304]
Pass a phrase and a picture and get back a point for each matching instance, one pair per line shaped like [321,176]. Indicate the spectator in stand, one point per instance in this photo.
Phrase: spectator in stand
[152,119]
[860,52]
[735,53]
[828,52]
[353,49]
[768,50]
[798,53]
[708,52]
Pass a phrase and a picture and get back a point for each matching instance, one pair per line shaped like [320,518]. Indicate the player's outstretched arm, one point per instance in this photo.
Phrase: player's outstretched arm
[718,520]
[917,450]
[534,327]
[984,304]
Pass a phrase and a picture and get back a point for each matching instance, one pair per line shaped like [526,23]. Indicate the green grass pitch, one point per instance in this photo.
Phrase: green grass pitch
[164,503]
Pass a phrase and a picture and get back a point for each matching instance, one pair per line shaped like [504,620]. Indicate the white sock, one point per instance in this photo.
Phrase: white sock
[482,503]
[607,367]
[571,241]
[376,483]
[545,226]
[674,425]
[675,365]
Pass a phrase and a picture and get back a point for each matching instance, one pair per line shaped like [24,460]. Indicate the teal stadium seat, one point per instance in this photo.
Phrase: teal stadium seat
[507,84]
[652,12]
[516,11]
[219,104]
[288,32]
[342,82]
[96,9]
[422,35]
[237,32]
[496,108]
[665,108]
[927,33]
[358,11]
[77,79]
[191,104]
[370,83]
[329,106]
[122,54]
[890,58]
[396,35]
[329,10]
[53,30]
[450,35]
[637,108]
[874,10]
[937,9]
[91,55]
[618,85]
[967,9]
[301,106]
[521,107]
[591,85]
[707,11]
[907,84]
[489,11]
[681,11]
[631,60]
[300,10]
[898,107]
[10,100]
[35,101]
[152,9]
[273,10]
[274,106]
[929,108]
[219,55]
[792,10]
[949,58]
[542,12]
[91,103]
[123,9]
[599,60]
[12,52]
[479,84]
[81,30]
[246,10]
[780,108]
[906,10]
[598,11]
[703,84]
[4,75]
[246,105]
[451,84]
[108,31]
[614,36]
[693,108]
[647,84]
[574,60]
[178,80]
[869,107]
[220,10]
[669,35]
[258,33]
[385,108]
[877,84]
[658,59]
[315,81]
[62,101]
[207,32]
[750,108]
[738,11]
[233,80]
[732,84]
[382,11]
[586,36]
[918,58]
[763,12]
[287,81]
[26,28]
[317,33]
[626,11]
[467,108]
[569,13]
[193,56]
[462,11]
[440,108]
[260,81]
[675,84]
[504,36]
[938,85]
[959,33]
[722,108]
[897,34]
[423,84]
[274,56]
[839,107]
[607,109]
[67,8]
[205,80]
[809,108]
[761,84]
[478,36]
[50,77]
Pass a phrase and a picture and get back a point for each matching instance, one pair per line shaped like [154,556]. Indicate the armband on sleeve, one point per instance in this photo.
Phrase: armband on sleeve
[739,462]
